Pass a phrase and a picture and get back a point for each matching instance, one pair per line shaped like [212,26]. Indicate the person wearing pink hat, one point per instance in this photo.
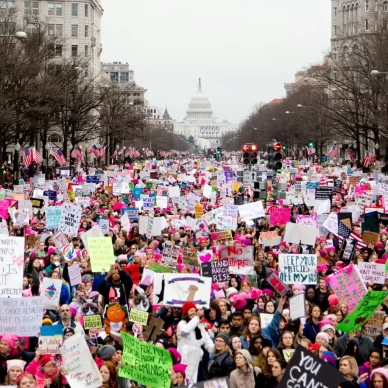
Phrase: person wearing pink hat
[178,377]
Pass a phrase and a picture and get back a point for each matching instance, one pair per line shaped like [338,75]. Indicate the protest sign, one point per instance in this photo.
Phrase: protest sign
[240,258]
[198,210]
[103,223]
[4,228]
[138,316]
[92,322]
[363,311]
[132,212]
[218,270]
[148,202]
[101,253]
[221,237]
[75,274]
[251,210]
[220,382]
[150,224]
[4,209]
[170,254]
[348,285]
[190,256]
[372,272]
[95,231]
[21,316]
[50,344]
[370,238]
[277,284]
[51,292]
[70,219]
[331,223]
[374,324]
[51,331]
[270,239]
[12,263]
[297,233]
[162,201]
[53,216]
[306,370]
[297,306]
[156,267]
[145,363]
[60,240]
[158,224]
[279,216]
[323,192]
[308,220]
[287,354]
[265,319]
[78,362]
[298,268]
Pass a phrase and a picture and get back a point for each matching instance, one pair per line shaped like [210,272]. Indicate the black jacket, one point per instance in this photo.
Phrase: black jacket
[221,365]
[106,285]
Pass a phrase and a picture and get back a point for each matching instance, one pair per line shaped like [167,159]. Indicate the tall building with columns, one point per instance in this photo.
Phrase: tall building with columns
[200,122]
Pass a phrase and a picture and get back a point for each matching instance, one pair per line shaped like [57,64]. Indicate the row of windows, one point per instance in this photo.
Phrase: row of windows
[54,8]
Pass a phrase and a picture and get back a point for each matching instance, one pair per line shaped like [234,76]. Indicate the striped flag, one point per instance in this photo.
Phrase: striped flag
[28,156]
[333,151]
[369,158]
[102,151]
[59,157]
[94,150]
[77,153]
[309,151]
[351,155]
[354,236]
[37,156]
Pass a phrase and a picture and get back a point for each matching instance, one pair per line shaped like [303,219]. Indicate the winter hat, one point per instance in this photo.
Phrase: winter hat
[246,355]
[188,306]
[330,249]
[268,292]
[10,340]
[333,300]
[325,336]
[68,330]
[283,244]
[379,245]
[47,321]
[225,337]
[327,327]
[322,267]
[239,304]
[380,371]
[313,347]
[45,359]
[322,253]
[180,368]
[330,358]
[230,291]
[51,250]
[16,364]
[175,356]
[106,352]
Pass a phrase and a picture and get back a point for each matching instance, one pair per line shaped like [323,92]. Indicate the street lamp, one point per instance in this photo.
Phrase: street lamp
[47,147]
[377,72]
[16,162]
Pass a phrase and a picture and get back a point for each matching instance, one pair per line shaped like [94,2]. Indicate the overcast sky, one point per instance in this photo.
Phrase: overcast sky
[243,50]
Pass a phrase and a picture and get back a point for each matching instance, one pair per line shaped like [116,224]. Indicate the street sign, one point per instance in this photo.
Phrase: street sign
[249,177]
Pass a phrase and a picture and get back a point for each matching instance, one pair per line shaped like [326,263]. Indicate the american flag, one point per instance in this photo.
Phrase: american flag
[369,158]
[323,180]
[356,237]
[309,151]
[102,151]
[351,155]
[114,154]
[121,151]
[77,153]
[333,151]
[343,230]
[94,150]
[37,156]
[58,155]
[28,156]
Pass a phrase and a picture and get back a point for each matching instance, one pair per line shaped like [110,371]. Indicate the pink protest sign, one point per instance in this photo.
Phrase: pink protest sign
[347,284]
[4,209]
[279,216]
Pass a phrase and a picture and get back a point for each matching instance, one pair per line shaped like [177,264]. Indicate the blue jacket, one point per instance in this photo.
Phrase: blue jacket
[310,331]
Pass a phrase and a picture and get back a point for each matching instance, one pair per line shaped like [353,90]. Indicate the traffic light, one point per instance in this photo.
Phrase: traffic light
[250,152]
[311,144]
[275,155]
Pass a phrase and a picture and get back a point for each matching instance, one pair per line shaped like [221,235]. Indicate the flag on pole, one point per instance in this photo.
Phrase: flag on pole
[77,153]
[333,151]
[59,157]
[37,155]
[102,151]
[369,158]
[28,156]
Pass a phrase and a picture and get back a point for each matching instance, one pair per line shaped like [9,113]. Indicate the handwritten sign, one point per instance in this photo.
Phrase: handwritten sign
[374,324]
[50,344]
[372,272]
[218,270]
[53,216]
[70,219]
[21,316]
[75,274]
[140,358]
[138,316]
[190,256]
[251,211]
[77,360]
[279,216]
[156,267]
[92,322]
[298,268]
[240,259]
[101,253]
[270,239]
[198,210]
[170,254]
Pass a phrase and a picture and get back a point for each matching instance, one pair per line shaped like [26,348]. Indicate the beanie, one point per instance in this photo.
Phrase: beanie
[15,364]
[329,357]
[325,336]
[175,356]
[380,371]
[106,352]
[188,306]
[225,337]
[330,249]
[333,300]
[245,353]
[9,340]
[180,368]
[45,359]
[68,330]
[327,327]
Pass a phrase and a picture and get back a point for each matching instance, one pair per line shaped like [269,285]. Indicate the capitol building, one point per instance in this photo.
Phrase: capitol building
[201,124]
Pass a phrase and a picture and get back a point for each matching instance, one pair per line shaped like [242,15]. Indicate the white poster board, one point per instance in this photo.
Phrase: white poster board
[51,292]
[70,219]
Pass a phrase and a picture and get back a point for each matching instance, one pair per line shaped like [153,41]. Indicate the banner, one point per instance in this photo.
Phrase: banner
[21,316]
[240,258]
[145,363]
[82,371]
[372,272]
[363,311]
[12,266]
[101,253]
[348,285]
[70,219]
[53,217]
[297,233]
[298,268]
[305,370]
[218,270]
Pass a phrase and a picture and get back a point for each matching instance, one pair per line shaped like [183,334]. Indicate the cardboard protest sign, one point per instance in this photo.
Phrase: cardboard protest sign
[297,306]
[279,216]
[265,319]
[95,231]
[198,210]
[370,238]
[277,284]
[221,237]
[298,268]
[170,254]
[296,233]
[190,256]
[53,216]
[50,345]
[374,324]
[70,219]
[251,210]
[240,258]
[75,274]
[101,253]
[372,272]
[21,316]
[92,322]
[78,362]
[150,224]
[156,267]
[103,223]
[132,212]
[306,370]
[270,239]
[60,240]
[145,363]
[348,285]
[308,220]
[138,316]
[363,311]
[12,261]
[218,270]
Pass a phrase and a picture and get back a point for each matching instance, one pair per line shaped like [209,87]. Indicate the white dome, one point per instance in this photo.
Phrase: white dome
[199,106]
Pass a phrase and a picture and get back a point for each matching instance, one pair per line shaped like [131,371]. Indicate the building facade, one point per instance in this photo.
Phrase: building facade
[157,117]
[200,122]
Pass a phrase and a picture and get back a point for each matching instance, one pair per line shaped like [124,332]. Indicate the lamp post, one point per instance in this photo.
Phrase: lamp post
[47,147]
[16,163]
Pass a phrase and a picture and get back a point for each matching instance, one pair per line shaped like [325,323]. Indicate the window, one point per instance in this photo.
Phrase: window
[385,6]
[31,8]
[30,29]
[366,5]
[86,51]
[74,9]
[54,138]
[58,9]
[334,30]
[74,51]
[385,25]
[114,76]
[124,77]
[86,10]
[74,30]
[86,31]
[58,50]
[7,7]
[335,12]
[55,30]
[7,28]
[366,24]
